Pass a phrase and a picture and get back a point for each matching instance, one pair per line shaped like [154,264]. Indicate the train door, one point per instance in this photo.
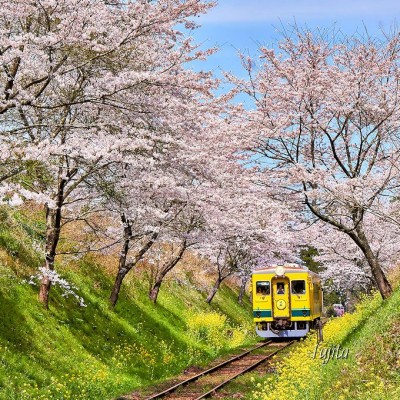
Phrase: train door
[281,299]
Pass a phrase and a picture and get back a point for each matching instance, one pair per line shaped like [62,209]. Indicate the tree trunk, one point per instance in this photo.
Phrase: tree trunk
[361,240]
[123,267]
[382,282]
[53,229]
[117,285]
[53,224]
[214,290]
[44,291]
[164,271]
[155,290]
[122,271]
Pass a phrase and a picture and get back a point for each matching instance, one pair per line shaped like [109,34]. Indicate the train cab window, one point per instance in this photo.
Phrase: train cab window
[299,287]
[280,289]
[263,287]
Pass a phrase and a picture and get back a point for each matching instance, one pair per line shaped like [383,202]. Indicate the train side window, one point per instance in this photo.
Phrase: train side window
[299,287]
[263,287]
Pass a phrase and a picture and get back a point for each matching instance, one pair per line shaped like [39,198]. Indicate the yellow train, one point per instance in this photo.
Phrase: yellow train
[287,301]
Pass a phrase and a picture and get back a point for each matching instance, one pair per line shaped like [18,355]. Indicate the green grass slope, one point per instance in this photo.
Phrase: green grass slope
[366,365]
[372,369]
[92,352]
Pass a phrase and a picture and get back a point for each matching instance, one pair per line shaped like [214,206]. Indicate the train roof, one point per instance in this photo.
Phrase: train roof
[288,268]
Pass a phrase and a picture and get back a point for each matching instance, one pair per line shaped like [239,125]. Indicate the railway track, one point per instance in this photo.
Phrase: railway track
[207,383]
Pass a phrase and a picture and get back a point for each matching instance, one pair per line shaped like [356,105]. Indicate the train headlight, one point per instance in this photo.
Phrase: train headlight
[280,270]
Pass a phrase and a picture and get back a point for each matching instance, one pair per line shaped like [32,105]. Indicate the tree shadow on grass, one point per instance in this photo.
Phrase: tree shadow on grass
[14,328]
[130,334]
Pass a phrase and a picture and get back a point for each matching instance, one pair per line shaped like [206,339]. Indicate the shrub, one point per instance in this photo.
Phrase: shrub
[216,332]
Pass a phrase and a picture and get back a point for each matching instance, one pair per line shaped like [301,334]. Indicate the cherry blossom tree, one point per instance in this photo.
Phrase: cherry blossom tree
[245,227]
[148,201]
[343,263]
[228,261]
[182,233]
[325,128]
[157,198]
[168,199]
[87,84]
[244,274]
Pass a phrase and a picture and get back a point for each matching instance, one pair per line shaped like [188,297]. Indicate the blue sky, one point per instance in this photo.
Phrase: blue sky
[244,25]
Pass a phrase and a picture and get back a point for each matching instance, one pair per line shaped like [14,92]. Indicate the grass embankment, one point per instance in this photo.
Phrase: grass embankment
[73,352]
[359,359]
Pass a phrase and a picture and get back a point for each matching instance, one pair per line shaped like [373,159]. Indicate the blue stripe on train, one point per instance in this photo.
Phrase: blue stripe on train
[262,313]
[301,313]
[268,313]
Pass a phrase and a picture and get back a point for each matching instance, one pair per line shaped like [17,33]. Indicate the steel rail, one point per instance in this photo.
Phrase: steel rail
[206,372]
[211,392]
